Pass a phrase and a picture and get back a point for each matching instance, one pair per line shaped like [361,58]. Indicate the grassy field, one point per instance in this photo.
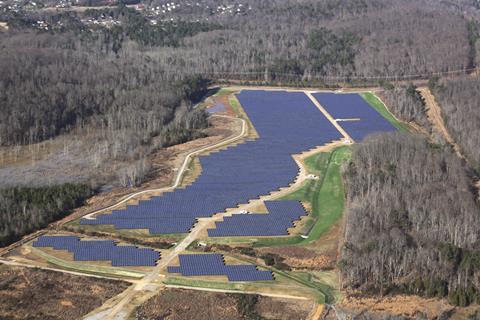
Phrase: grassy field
[378,105]
[326,197]
[196,283]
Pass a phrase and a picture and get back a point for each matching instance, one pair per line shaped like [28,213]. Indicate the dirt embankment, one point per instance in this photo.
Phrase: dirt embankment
[33,294]
[434,115]
[302,258]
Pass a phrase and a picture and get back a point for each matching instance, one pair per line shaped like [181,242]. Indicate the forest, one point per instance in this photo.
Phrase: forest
[407,104]
[24,210]
[115,94]
[459,101]
[286,40]
[417,199]
[75,75]
[68,83]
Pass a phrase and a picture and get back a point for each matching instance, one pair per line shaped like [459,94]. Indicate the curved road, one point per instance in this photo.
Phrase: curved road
[182,168]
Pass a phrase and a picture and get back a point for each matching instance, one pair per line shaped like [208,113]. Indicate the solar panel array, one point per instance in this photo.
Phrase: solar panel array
[287,123]
[353,106]
[281,216]
[213,264]
[100,250]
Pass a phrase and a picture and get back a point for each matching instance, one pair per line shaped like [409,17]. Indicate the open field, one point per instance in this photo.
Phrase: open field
[39,294]
[408,307]
[180,304]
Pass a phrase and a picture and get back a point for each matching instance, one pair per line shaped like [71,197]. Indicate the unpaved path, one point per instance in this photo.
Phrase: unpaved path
[121,308]
[434,115]
[328,116]
[318,312]
[151,283]
[180,171]
[25,265]
[265,294]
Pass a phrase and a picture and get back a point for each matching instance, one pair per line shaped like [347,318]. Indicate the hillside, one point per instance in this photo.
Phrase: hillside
[260,159]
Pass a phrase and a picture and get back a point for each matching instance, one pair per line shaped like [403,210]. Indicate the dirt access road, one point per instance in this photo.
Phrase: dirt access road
[182,169]
[434,115]
[122,308]
[151,283]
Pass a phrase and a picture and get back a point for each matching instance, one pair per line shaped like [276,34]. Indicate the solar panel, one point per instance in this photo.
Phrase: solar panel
[281,216]
[213,264]
[353,106]
[287,123]
[100,250]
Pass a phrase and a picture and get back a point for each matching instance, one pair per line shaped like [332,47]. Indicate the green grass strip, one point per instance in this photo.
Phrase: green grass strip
[326,196]
[378,105]
[328,204]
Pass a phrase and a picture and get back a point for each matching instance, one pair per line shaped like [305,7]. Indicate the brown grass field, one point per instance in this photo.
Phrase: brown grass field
[35,294]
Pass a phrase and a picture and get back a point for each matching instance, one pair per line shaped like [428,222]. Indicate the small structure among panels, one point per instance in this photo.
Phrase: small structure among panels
[280,218]
[213,264]
[100,250]
[351,106]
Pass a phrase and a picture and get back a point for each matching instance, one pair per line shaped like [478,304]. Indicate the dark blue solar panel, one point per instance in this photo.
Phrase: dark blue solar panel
[214,265]
[287,123]
[100,250]
[353,106]
[281,216]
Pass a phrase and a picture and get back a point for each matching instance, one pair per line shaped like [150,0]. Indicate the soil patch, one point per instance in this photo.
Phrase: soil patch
[181,304]
[27,293]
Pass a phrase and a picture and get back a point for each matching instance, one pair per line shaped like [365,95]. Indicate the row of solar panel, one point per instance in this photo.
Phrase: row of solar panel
[214,265]
[280,218]
[353,106]
[100,250]
[287,123]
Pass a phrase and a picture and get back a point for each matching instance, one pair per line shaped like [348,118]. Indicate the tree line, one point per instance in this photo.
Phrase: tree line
[285,40]
[51,84]
[24,210]
[406,103]
[412,221]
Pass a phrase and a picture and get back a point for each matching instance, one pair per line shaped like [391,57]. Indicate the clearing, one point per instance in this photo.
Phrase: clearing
[27,293]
